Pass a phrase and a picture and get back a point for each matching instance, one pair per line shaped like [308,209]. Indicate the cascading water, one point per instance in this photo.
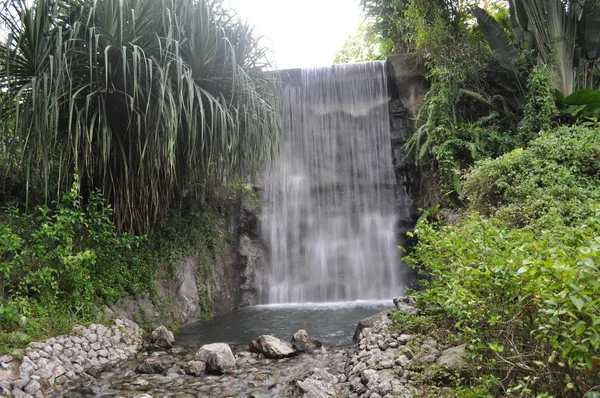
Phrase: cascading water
[328,218]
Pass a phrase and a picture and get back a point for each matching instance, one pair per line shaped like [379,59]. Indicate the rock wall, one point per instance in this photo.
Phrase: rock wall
[243,258]
[53,364]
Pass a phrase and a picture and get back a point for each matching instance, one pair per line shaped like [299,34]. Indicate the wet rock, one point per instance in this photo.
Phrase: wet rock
[151,367]
[217,356]
[453,358]
[369,322]
[162,337]
[315,389]
[271,347]
[195,368]
[301,342]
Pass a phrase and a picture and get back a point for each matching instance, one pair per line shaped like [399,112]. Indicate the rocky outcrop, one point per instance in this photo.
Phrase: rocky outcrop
[243,259]
[218,358]
[61,360]
[369,322]
[271,347]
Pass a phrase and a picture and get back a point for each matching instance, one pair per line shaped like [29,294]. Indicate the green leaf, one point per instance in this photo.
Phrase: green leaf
[497,39]
[577,302]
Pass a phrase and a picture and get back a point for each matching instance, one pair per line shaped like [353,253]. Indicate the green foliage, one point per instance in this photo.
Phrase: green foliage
[363,46]
[451,142]
[553,181]
[581,107]
[70,254]
[143,99]
[540,108]
[563,35]
[522,287]
[57,265]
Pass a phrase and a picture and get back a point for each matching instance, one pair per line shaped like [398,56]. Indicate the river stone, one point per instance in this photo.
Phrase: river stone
[271,347]
[370,322]
[301,342]
[150,367]
[315,389]
[163,337]
[405,305]
[217,356]
[453,358]
[195,368]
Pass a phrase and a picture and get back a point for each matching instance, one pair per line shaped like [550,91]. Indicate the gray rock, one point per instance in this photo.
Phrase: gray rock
[217,356]
[271,347]
[20,383]
[369,375]
[18,393]
[27,368]
[33,387]
[195,368]
[453,358]
[186,301]
[5,387]
[312,388]
[370,322]
[301,342]
[405,305]
[163,337]
[142,396]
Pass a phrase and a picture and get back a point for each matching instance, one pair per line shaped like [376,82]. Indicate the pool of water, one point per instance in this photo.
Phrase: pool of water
[331,323]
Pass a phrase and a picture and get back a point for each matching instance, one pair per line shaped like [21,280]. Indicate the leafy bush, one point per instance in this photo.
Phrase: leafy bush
[69,257]
[554,180]
[522,287]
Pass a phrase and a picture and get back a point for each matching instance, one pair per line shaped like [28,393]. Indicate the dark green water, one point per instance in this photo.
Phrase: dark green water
[331,323]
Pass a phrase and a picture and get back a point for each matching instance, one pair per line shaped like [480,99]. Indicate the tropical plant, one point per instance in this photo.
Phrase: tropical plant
[147,100]
[565,35]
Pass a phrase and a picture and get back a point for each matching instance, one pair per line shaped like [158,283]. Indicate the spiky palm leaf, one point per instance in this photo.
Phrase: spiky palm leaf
[139,97]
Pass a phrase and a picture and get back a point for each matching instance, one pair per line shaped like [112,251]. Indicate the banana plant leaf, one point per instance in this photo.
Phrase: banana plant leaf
[584,102]
[590,33]
[502,48]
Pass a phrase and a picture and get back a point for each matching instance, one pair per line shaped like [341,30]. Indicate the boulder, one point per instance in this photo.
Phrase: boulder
[405,305]
[369,322]
[453,358]
[217,356]
[271,347]
[163,337]
[301,342]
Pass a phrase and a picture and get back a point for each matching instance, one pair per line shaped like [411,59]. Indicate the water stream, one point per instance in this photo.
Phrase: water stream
[328,216]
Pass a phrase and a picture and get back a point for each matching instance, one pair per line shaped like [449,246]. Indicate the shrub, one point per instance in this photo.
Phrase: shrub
[554,180]
[68,256]
[520,284]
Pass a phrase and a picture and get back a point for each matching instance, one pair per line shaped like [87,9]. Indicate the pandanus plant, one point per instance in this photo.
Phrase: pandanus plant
[140,98]
[563,35]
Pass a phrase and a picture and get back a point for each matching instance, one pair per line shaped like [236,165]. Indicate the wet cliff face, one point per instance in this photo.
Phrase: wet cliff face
[243,258]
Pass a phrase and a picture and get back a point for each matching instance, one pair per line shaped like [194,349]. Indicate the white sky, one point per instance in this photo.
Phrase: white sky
[301,33]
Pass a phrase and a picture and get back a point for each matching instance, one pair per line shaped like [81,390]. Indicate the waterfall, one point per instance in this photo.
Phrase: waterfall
[328,217]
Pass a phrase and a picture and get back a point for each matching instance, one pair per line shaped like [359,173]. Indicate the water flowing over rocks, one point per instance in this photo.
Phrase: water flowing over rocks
[382,363]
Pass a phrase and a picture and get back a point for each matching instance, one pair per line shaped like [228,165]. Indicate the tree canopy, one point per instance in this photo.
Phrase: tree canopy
[147,100]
